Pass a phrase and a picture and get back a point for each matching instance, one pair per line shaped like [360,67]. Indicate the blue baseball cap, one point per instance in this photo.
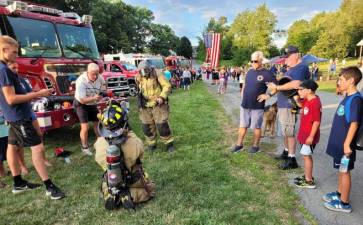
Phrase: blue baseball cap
[290,50]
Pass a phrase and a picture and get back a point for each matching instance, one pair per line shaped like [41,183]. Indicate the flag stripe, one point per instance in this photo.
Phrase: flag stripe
[212,43]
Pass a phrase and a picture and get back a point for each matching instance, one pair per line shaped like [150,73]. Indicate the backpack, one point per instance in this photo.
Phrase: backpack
[359,141]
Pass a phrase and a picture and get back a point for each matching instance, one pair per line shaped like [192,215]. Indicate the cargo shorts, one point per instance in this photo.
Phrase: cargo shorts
[287,121]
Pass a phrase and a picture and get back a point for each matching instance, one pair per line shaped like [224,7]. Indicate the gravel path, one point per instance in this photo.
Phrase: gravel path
[325,175]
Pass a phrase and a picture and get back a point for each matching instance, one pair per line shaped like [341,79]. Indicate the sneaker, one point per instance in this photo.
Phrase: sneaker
[298,179]
[24,187]
[170,147]
[151,148]
[254,149]
[290,163]
[337,205]
[283,155]
[86,151]
[237,148]
[54,192]
[306,184]
[331,196]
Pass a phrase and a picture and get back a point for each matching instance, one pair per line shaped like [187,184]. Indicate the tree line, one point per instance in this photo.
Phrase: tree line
[330,34]
[120,26]
[327,34]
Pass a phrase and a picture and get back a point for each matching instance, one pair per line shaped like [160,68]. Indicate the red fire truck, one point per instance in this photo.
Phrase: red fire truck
[177,61]
[54,49]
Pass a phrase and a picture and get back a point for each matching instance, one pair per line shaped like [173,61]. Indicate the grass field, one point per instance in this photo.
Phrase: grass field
[328,86]
[201,183]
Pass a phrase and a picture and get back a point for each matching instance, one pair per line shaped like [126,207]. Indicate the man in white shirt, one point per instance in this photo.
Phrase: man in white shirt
[88,88]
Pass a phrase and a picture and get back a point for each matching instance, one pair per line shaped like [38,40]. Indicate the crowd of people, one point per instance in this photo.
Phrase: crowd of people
[182,77]
[293,84]
[295,89]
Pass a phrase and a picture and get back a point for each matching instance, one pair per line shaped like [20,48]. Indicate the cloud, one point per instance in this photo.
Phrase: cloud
[189,17]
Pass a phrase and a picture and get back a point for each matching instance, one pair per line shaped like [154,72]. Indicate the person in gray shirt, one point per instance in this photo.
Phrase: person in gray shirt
[88,89]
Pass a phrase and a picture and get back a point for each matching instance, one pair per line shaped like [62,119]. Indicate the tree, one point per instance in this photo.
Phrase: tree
[217,26]
[302,35]
[140,28]
[111,26]
[252,29]
[201,49]
[162,39]
[226,48]
[185,48]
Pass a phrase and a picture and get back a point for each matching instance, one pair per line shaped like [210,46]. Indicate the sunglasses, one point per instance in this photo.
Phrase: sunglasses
[254,61]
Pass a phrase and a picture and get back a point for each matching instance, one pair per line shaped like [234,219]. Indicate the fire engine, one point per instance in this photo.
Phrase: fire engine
[54,49]
[174,62]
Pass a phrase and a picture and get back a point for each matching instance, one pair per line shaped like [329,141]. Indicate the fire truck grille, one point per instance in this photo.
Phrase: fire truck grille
[117,83]
[63,84]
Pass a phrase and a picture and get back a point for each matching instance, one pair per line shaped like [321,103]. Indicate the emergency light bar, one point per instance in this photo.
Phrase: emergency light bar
[71,15]
[46,10]
[17,5]
[86,19]
[3,3]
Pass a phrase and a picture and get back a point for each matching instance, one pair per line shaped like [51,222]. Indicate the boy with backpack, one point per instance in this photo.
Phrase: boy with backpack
[342,140]
[309,132]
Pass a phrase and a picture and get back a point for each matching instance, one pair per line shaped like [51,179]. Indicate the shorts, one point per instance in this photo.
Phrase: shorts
[186,81]
[336,163]
[85,113]
[288,121]
[251,118]
[3,148]
[307,149]
[23,134]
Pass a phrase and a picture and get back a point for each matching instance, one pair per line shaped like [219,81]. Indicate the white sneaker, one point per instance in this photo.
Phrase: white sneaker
[86,151]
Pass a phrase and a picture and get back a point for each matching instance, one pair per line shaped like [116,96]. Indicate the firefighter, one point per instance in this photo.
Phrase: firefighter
[119,151]
[153,105]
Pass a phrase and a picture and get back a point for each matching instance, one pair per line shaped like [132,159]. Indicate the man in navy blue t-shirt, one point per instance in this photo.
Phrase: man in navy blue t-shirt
[253,102]
[15,104]
[297,72]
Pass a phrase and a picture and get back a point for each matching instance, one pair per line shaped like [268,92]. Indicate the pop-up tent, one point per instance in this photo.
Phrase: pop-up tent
[307,59]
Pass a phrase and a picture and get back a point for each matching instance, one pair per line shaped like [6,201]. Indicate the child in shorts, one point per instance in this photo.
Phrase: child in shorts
[309,133]
[343,136]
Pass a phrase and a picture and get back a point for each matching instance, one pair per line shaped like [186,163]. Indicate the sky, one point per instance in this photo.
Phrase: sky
[189,17]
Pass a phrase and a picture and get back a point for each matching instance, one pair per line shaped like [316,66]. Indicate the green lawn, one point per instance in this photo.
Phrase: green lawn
[328,86]
[201,183]
[324,66]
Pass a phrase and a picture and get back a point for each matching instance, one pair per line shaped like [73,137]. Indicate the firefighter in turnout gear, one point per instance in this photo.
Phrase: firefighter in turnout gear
[153,105]
[119,152]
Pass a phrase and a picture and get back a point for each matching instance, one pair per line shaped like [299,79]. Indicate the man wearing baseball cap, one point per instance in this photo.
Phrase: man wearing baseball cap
[298,72]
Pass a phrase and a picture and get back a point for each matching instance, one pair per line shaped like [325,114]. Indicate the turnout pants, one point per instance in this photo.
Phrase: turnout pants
[153,119]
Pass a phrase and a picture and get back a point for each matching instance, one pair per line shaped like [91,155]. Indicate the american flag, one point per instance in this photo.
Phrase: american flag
[212,42]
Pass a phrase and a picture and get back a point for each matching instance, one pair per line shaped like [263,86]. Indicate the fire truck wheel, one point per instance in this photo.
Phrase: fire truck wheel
[133,90]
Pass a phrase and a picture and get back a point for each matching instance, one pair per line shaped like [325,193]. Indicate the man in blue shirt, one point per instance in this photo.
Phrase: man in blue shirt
[16,107]
[253,102]
[297,72]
